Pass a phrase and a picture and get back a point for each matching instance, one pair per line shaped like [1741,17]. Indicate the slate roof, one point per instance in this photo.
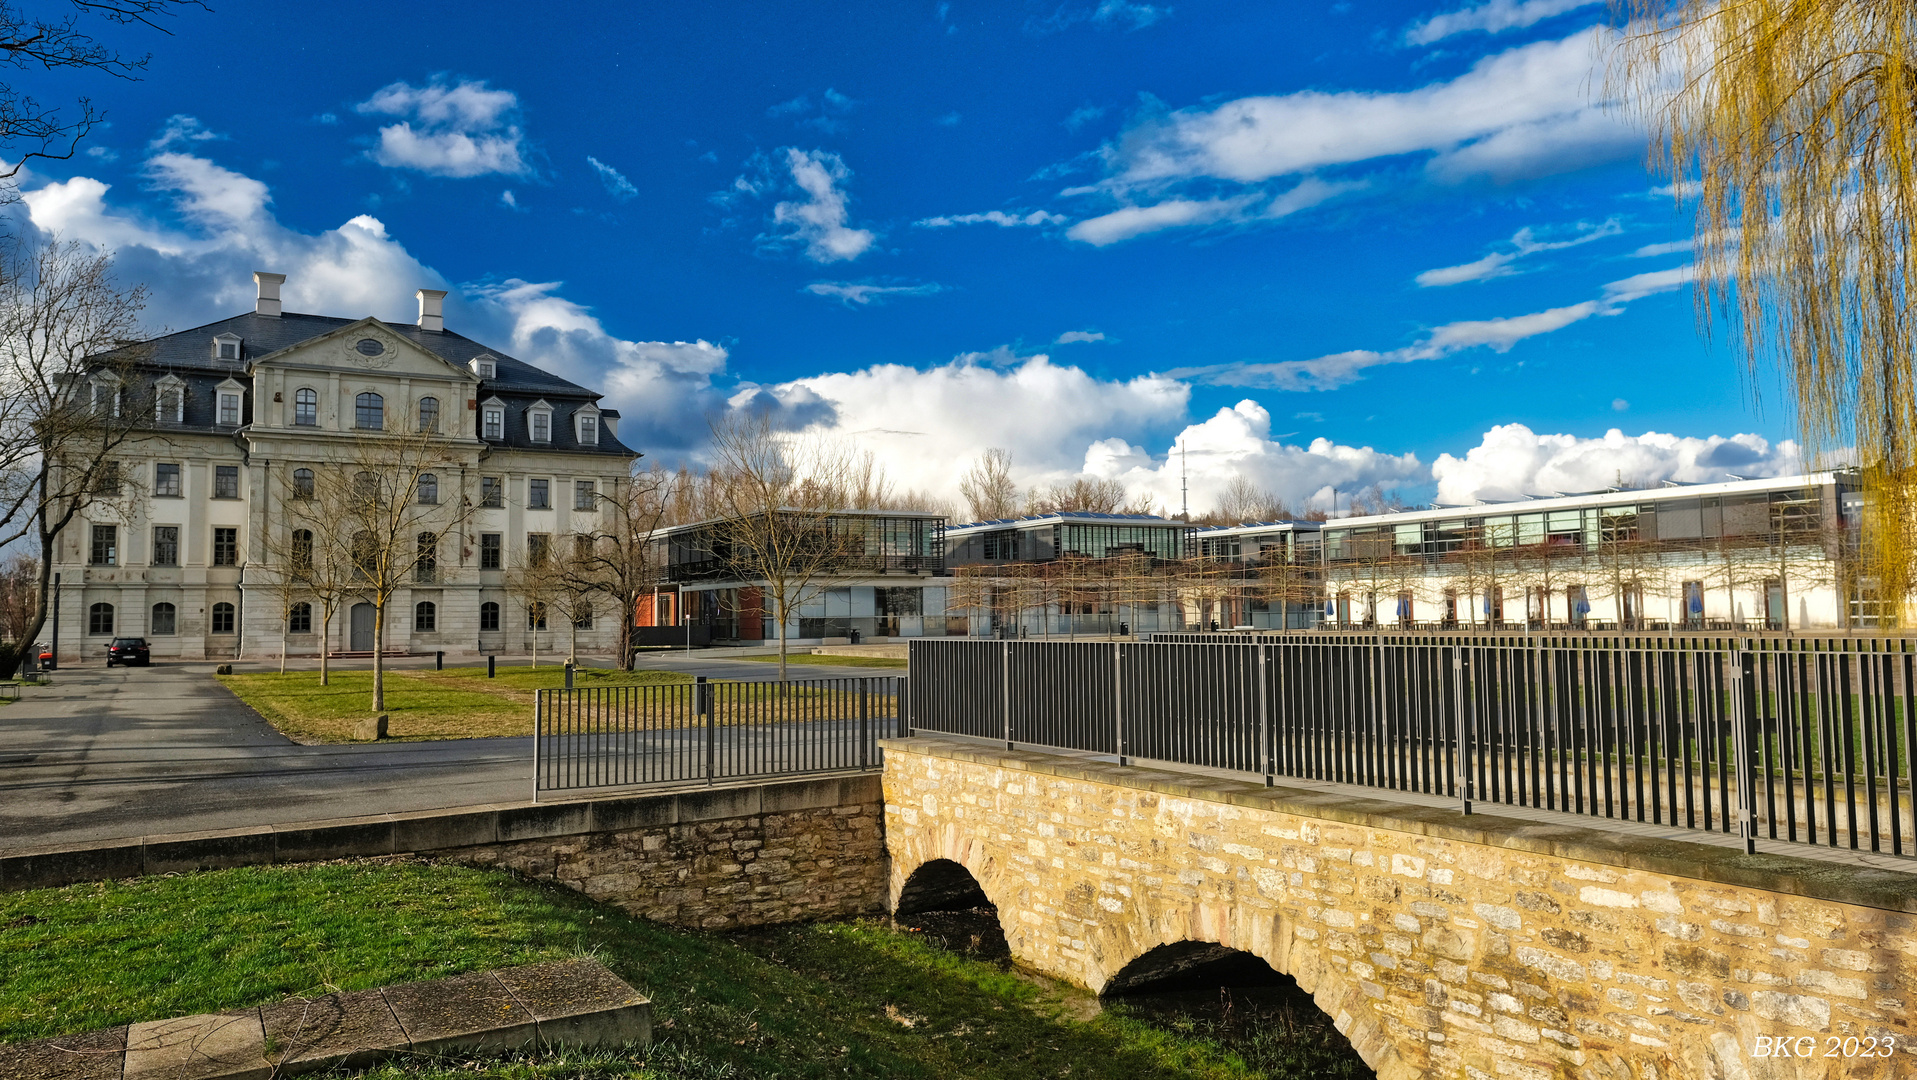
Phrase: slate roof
[189,355]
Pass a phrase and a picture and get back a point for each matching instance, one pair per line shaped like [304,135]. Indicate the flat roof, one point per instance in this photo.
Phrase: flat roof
[1076,517]
[1252,528]
[1586,500]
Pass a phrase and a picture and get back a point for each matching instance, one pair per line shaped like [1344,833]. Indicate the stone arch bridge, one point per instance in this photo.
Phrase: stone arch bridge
[1443,946]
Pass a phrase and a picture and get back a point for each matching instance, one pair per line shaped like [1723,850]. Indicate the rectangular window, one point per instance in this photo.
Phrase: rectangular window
[226,481]
[299,620]
[166,545]
[538,494]
[106,479]
[491,491]
[106,546]
[230,410]
[538,546]
[166,480]
[491,551]
[495,426]
[581,548]
[582,495]
[226,547]
[589,430]
[488,616]
[583,619]
[541,426]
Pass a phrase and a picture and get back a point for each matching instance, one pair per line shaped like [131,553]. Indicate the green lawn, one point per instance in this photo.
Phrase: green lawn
[453,704]
[831,661]
[843,1000]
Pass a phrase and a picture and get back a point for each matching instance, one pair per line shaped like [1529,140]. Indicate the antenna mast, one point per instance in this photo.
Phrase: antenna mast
[1184,486]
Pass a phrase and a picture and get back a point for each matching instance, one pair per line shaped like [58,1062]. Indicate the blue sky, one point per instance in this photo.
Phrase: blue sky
[1328,246]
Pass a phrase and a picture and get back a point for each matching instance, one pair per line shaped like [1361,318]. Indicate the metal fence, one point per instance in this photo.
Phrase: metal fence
[1812,741]
[630,736]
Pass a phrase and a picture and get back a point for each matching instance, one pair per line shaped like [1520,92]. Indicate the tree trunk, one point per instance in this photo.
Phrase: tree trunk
[782,645]
[40,609]
[572,643]
[379,657]
[326,647]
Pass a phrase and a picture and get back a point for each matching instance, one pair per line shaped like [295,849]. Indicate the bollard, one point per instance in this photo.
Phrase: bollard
[569,676]
[491,666]
[439,660]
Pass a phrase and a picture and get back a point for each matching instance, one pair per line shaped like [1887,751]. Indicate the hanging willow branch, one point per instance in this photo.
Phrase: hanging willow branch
[1790,124]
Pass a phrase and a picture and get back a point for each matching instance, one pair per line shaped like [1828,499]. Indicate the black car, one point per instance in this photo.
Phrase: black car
[128,650]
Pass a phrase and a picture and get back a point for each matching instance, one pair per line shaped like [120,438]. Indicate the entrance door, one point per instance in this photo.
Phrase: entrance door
[362,628]
[1774,604]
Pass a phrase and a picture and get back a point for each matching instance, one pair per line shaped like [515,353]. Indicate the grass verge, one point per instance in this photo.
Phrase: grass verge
[855,1000]
[458,703]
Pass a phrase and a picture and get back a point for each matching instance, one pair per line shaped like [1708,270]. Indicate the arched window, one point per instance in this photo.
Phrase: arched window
[165,622]
[425,616]
[428,489]
[426,562]
[535,616]
[366,487]
[305,407]
[489,616]
[100,619]
[369,412]
[365,554]
[582,619]
[222,618]
[429,414]
[302,550]
[302,483]
[299,618]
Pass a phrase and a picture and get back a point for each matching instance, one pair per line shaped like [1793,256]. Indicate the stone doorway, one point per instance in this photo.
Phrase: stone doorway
[362,628]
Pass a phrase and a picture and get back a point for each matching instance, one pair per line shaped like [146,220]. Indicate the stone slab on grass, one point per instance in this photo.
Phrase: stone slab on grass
[352,1030]
[95,1055]
[474,1013]
[228,1046]
[580,1003]
[564,1003]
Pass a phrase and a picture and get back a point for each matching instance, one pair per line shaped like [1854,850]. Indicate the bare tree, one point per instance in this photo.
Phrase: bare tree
[69,396]
[1243,500]
[381,513]
[623,557]
[30,42]
[19,595]
[304,569]
[780,498]
[988,486]
[1086,495]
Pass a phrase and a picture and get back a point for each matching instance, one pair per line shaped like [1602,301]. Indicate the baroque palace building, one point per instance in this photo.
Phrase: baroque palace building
[230,412]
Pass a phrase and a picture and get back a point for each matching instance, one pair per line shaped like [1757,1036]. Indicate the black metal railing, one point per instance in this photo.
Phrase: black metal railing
[1803,740]
[631,736]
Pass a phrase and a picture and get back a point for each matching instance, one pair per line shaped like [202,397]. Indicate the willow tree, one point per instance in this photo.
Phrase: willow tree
[1792,124]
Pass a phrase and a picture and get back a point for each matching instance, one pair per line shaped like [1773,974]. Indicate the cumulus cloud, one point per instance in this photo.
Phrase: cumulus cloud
[1512,461]
[819,220]
[616,183]
[1526,241]
[992,217]
[461,129]
[862,293]
[1492,17]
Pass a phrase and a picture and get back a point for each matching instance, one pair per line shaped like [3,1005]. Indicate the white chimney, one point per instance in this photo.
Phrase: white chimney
[268,301]
[432,309]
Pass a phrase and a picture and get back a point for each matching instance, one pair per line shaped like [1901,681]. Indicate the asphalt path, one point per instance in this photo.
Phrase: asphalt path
[109,754]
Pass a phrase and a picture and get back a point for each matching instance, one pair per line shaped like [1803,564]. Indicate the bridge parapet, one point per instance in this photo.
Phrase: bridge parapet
[1444,946]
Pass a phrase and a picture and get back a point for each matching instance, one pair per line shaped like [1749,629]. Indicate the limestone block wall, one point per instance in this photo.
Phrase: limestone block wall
[1444,946]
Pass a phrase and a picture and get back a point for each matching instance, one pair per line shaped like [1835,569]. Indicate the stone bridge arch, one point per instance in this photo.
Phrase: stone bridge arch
[1441,946]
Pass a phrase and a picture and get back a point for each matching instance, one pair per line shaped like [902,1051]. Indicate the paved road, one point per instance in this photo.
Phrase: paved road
[109,754]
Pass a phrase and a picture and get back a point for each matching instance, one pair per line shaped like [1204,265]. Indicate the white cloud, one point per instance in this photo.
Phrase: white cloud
[1109,14]
[1494,16]
[1512,461]
[826,116]
[1253,139]
[820,221]
[861,293]
[1671,247]
[992,217]
[1620,405]
[1073,336]
[1130,221]
[459,129]
[1638,286]
[616,183]
[510,201]
[1525,242]
[181,128]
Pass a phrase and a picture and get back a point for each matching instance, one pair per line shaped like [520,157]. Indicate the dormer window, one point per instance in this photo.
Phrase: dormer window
[106,395]
[229,401]
[226,348]
[169,401]
[492,420]
[539,422]
[585,426]
[485,366]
